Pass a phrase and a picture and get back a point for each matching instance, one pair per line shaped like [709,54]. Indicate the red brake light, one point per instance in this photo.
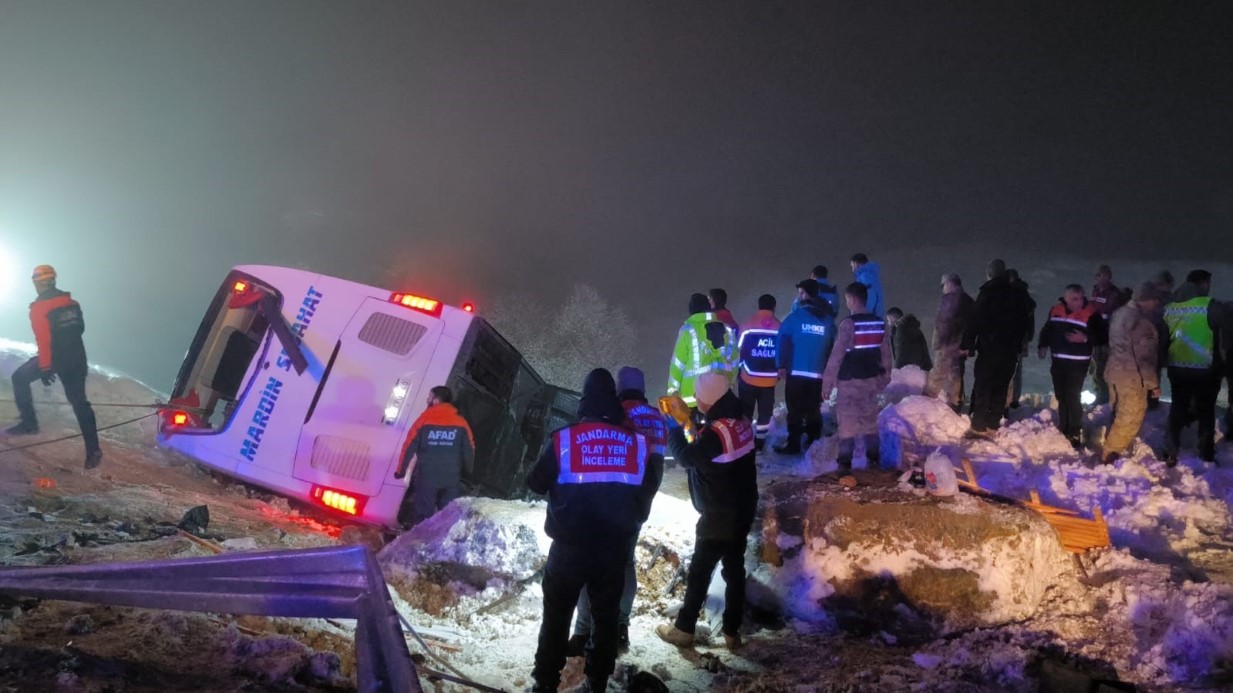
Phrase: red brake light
[179,418]
[423,305]
[240,287]
[469,308]
[343,502]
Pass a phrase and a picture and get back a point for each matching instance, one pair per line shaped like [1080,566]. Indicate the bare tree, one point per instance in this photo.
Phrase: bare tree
[564,342]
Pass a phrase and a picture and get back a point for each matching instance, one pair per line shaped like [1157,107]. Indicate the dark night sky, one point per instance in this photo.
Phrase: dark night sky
[651,149]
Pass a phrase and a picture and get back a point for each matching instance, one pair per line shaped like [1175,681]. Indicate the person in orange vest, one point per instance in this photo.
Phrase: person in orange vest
[600,483]
[439,449]
[648,421]
[58,325]
[1072,330]
[759,369]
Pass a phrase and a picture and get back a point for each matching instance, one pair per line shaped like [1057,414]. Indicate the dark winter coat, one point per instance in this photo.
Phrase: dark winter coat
[908,344]
[606,513]
[954,312]
[58,325]
[806,337]
[725,495]
[1087,321]
[1001,318]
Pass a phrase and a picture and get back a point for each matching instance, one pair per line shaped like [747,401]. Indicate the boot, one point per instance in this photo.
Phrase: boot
[1110,458]
[623,640]
[94,458]
[733,642]
[22,429]
[674,636]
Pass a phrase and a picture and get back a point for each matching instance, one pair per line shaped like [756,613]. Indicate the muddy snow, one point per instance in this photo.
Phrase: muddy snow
[853,586]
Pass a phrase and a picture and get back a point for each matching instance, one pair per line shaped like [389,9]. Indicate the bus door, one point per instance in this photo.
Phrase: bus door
[373,382]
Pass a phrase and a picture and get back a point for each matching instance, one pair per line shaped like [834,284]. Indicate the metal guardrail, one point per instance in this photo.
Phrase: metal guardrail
[332,582]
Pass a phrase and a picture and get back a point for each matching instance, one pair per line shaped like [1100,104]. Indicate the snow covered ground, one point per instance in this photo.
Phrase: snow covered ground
[1156,610]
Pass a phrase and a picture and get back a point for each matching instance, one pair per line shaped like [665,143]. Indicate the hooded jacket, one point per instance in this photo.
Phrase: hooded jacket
[599,475]
[723,477]
[806,338]
[703,344]
[908,344]
[869,275]
[58,325]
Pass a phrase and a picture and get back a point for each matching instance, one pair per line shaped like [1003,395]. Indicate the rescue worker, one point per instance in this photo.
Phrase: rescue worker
[1164,290]
[954,311]
[600,483]
[826,290]
[703,345]
[1000,323]
[860,367]
[867,273]
[719,306]
[439,449]
[1072,330]
[1194,363]
[1107,298]
[723,484]
[759,366]
[1015,393]
[648,421]
[1131,371]
[908,345]
[805,341]
[58,325]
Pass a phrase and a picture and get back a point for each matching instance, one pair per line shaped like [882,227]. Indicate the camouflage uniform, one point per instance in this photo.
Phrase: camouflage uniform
[1131,373]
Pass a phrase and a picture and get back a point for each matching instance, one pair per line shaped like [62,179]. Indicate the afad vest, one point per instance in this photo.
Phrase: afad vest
[737,436]
[759,353]
[1191,340]
[590,453]
[864,359]
[649,422]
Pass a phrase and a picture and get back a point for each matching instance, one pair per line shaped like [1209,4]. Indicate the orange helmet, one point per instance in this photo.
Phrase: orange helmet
[44,273]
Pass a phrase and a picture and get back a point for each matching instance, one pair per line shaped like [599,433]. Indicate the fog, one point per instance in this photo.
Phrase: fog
[464,150]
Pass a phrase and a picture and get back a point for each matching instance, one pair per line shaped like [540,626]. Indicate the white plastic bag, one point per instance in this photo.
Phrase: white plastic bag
[940,475]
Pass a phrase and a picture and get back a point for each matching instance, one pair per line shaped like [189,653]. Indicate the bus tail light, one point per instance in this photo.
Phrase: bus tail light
[424,305]
[174,419]
[393,405]
[342,502]
[468,307]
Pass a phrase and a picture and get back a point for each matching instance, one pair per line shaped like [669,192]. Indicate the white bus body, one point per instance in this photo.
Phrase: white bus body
[307,385]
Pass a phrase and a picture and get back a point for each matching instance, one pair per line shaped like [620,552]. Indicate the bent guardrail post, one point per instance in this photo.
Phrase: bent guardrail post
[331,582]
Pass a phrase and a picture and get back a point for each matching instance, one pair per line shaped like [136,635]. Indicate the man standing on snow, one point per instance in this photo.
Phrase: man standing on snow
[860,366]
[826,291]
[805,340]
[867,273]
[1000,322]
[600,482]
[1164,290]
[703,345]
[954,311]
[723,484]
[1194,320]
[58,325]
[908,345]
[1074,327]
[1015,393]
[1131,372]
[719,306]
[439,449]
[1107,298]
[651,424]
[759,349]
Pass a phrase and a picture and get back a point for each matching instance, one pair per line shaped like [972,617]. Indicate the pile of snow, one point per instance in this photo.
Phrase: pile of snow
[905,382]
[913,426]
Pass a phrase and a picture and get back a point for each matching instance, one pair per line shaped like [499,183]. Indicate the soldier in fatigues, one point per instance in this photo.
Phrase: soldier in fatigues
[600,483]
[440,449]
[954,311]
[1131,370]
[860,367]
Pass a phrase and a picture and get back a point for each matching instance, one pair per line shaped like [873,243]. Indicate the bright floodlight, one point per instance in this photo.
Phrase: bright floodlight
[1088,397]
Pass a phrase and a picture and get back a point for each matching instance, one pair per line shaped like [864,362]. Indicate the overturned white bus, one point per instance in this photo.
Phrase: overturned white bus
[306,385]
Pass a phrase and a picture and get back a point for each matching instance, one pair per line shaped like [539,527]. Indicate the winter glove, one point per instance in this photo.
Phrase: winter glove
[48,377]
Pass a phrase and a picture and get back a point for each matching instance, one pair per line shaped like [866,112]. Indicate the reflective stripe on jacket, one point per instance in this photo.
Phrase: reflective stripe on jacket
[1191,339]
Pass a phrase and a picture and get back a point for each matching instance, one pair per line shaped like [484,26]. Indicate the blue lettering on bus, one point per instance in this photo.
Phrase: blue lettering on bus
[303,318]
[261,419]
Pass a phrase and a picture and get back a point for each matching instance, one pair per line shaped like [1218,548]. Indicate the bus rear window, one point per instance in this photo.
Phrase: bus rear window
[229,338]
